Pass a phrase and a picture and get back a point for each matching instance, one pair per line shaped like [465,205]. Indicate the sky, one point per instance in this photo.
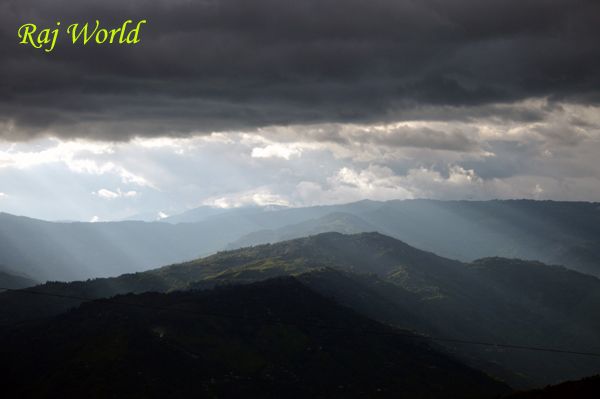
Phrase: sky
[234,103]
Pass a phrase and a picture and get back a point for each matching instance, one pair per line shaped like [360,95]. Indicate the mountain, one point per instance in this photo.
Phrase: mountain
[77,251]
[263,216]
[339,222]
[271,339]
[12,280]
[565,233]
[144,217]
[467,230]
[492,300]
[586,255]
[587,388]
[196,215]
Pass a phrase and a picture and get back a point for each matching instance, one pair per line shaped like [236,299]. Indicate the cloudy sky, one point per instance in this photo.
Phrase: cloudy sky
[236,102]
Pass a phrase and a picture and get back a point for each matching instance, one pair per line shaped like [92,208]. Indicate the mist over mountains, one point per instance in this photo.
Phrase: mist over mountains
[12,279]
[566,233]
[459,287]
[300,199]
[491,300]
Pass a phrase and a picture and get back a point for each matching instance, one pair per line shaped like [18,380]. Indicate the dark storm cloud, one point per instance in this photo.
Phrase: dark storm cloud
[239,64]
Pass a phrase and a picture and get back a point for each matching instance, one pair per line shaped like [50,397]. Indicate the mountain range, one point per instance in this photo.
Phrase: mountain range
[495,300]
[566,233]
[276,338]
[69,251]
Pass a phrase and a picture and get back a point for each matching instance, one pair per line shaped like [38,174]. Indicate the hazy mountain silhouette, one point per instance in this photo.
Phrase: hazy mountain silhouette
[196,215]
[11,279]
[271,339]
[554,232]
[271,217]
[75,251]
[340,222]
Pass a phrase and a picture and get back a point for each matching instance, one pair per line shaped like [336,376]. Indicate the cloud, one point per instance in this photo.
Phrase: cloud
[423,137]
[3,195]
[258,197]
[107,194]
[276,151]
[549,151]
[83,157]
[380,182]
[227,65]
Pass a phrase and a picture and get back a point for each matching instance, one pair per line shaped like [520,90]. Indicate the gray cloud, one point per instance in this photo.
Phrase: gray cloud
[562,134]
[232,64]
[425,138]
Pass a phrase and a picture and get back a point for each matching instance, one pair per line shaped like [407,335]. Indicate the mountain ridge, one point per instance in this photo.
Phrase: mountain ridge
[271,338]
[495,300]
[565,233]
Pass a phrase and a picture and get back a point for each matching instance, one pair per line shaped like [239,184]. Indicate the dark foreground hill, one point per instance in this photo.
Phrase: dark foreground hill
[492,300]
[272,339]
[587,388]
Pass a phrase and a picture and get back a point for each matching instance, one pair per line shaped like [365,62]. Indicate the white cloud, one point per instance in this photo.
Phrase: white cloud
[379,182]
[284,151]
[49,151]
[374,182]
[107,194]
[104,193]
[77,156]
[3,195]
[260,197]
